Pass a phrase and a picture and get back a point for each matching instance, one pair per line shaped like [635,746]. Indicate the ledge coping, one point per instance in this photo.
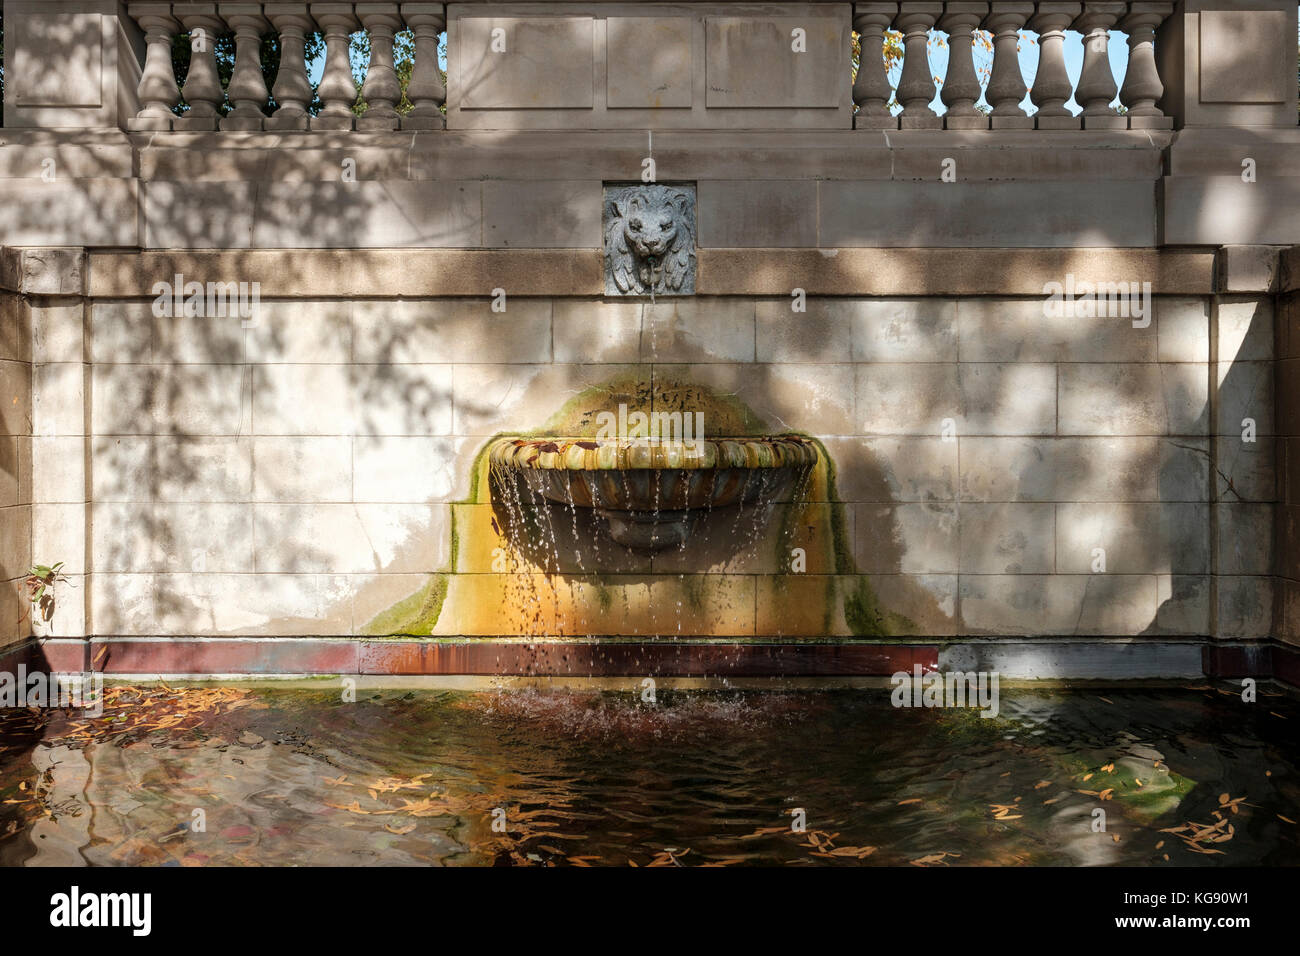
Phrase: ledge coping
[426,273]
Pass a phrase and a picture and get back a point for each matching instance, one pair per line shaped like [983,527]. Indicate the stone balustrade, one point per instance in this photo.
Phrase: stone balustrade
[693,64]
[285,105]
[1007,23]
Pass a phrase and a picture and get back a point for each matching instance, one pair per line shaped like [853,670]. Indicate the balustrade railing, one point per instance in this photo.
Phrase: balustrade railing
[247,104]
[1007,23]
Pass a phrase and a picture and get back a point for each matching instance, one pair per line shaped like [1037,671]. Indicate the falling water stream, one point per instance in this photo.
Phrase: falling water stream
[542,523]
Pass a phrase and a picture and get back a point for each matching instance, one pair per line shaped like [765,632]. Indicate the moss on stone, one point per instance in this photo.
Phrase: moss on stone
[864,615]
[413,616]
[577,417]
[1160,792]
[693,589]
[967,726]
[725,416]
[604,597]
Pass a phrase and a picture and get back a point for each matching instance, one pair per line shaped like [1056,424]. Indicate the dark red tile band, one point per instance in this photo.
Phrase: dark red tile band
[1286,664]
[1238,660]
[487,657]
[219,656]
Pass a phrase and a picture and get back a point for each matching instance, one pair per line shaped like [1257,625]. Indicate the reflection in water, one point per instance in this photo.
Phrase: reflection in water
[276,776]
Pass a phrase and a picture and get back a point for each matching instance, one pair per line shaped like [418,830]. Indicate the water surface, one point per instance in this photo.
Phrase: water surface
[1185,776]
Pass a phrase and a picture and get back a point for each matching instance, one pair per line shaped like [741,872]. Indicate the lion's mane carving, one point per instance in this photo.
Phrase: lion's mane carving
[649,241]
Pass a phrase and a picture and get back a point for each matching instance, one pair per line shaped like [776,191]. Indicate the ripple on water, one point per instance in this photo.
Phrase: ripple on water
[283,776]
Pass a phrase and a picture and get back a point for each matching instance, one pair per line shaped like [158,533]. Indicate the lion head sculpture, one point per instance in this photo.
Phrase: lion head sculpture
[649,241]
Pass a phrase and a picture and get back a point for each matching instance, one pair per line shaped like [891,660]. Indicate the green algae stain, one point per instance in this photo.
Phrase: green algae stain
[967,726]
[1143,790]
[413,616]
[864,615]
[604,596]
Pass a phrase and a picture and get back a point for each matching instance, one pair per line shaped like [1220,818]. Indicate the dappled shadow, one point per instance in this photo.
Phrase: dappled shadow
[251,475]
[15,459]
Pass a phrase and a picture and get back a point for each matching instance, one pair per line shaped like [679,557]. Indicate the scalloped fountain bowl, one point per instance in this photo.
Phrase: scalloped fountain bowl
[651,492]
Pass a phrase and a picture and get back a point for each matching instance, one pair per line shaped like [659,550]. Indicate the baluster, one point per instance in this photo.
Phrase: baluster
[202,90]
[247,90]
[157,89]
[1006,89]
[337,90]
[1052,86]
[381,89]
[871,87]
[1142,86]
[961,87]
[425,91]
[1097,88]
[292,90]
[916,86]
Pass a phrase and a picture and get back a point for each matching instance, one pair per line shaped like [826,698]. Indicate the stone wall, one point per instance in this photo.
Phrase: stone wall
[15,453]
[1287,613]
[298,474]
[317,470]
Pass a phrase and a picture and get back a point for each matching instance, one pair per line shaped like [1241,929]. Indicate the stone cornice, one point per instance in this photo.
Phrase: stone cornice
[402,273]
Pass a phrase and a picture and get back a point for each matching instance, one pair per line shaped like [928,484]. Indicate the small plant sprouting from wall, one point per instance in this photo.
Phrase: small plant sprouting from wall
[42,579]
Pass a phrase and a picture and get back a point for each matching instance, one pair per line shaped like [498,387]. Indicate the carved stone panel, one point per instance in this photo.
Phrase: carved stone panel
[649,239]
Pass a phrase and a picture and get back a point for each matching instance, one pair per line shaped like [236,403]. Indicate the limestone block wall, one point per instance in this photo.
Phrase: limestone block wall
[1287,612]
[292,476]
[15,464]
[648,66]
[299,475]
[42,445]
[1244,479]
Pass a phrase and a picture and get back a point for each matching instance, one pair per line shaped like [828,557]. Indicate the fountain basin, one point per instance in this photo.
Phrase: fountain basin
[650,492]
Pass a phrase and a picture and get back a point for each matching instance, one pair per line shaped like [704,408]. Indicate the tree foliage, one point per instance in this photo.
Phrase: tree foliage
[358,55]
[224,47]
[892,52]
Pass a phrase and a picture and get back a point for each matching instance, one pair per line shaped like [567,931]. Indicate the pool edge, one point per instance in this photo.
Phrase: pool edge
[1023,659]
